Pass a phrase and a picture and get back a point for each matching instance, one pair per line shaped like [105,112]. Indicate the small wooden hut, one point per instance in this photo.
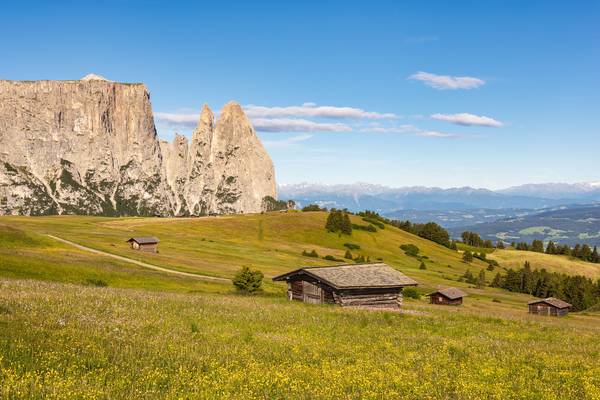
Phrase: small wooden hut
[449,297]
[147,243]
[550,306]
[366,285]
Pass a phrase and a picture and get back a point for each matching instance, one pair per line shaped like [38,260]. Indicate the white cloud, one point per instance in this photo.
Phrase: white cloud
[311,110]
[467,119]
[443,82]
[297,125]
[175,120]
[436,134]
[286,142]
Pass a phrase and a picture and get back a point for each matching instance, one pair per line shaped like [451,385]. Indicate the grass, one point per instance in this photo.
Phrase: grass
[78,325]
[66,341]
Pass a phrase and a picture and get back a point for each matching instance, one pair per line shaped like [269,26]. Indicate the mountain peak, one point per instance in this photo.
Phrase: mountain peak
[94,77]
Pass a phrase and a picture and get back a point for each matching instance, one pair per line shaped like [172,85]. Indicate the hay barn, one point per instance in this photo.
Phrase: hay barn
[550,306]
[147,243]
[366,285]
[448,297]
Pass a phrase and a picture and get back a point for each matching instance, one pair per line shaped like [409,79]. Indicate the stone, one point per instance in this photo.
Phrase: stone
[90,147]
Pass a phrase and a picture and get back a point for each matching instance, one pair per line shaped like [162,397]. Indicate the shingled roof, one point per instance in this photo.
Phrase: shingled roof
[450,293]
[144,239]
[553,301]
[354,276]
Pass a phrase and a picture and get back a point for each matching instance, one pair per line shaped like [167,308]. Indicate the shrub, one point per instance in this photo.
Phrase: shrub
[248,280]
[312,253]
[411,293]
[332,258]
[490,267]
[313,207]
[352,246]
[96,282]
[348,255]
[359,259]
[410,249]
[368,228]
[422,266]
[373,221]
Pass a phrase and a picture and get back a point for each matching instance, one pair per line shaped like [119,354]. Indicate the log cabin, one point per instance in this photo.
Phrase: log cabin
[364,285]
[447,297]
[550,306]
[147,243]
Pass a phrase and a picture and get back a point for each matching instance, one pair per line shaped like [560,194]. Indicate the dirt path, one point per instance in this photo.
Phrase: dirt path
[142,264]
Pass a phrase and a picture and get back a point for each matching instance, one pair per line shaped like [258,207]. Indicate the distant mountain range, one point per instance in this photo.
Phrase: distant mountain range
[566,213]
[388,200]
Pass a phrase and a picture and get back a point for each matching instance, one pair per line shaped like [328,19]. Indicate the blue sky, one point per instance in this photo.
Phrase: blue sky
[501,93]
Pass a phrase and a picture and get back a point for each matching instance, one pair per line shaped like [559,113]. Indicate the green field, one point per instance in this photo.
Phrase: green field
[149,334]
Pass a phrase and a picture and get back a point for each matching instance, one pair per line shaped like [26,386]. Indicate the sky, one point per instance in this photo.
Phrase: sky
[433,93]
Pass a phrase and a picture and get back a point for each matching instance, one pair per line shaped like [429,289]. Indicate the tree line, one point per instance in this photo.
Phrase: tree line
[578,290]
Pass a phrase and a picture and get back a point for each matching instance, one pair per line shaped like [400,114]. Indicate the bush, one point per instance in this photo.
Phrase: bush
[422,266]
[411,293]
[368,228]
[313,254]
[248,280]
[410,249]
[96,282]
[373,221]
[313,207]
[351,246]
[332,258]
[359,259]
[348,255]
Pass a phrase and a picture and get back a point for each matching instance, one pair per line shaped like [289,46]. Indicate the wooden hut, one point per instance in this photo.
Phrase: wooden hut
[367,285]
[550,306]
[147,243]
[448,297]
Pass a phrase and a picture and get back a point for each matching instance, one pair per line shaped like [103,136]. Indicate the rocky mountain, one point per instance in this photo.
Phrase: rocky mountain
[90,147]
[577,191]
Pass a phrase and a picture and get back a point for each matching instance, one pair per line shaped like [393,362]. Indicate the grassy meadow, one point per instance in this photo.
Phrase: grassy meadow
[74,324]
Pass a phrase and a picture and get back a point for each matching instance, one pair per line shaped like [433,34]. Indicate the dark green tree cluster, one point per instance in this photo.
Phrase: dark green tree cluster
[312,254]
[578,290]
[410,249]
[271,204]
[473,239]
[313,207]
[368,228]
[339,221]
[583,252]
[467,256]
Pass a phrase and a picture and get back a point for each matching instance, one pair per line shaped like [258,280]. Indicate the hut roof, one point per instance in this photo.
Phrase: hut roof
[144,240]
[354,276]
[451,293]
[553,301]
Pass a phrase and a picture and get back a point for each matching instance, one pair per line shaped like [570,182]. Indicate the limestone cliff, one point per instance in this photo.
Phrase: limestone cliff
[90,147]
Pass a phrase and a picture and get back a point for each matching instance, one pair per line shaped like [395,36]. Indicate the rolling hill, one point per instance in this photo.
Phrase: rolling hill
[77,324]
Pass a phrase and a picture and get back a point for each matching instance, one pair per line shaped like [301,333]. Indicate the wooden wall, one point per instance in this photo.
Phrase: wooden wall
[547,309]
[309,290]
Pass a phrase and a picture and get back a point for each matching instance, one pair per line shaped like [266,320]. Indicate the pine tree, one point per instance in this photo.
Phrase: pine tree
[537,246]
[467,256]
[481,279]
[500,244]
[348,255]
[595,257]
[497,281]
[551,248]
[586,252]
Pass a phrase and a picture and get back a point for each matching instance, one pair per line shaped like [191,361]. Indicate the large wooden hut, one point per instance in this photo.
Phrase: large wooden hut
[550,306]
[449,297]
[367,285]
[146,243]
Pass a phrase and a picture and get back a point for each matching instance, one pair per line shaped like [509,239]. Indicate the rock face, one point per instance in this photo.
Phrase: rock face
[90,147]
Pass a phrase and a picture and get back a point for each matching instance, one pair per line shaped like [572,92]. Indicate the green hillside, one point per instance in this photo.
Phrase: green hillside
[106,328]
